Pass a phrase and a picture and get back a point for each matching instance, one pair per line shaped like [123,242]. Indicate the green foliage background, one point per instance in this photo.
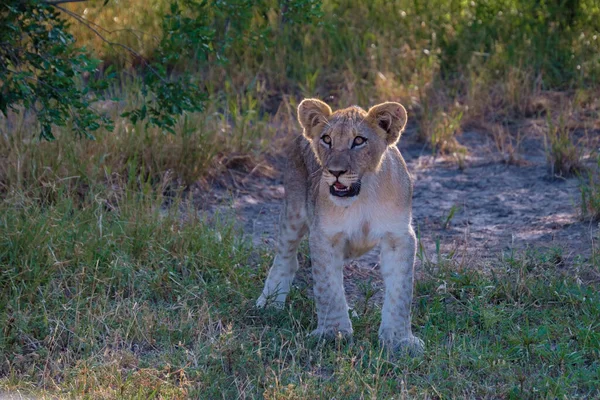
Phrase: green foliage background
[182,52]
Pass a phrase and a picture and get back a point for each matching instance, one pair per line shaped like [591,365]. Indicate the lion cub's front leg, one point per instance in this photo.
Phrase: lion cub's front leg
[330,298]
[397,267]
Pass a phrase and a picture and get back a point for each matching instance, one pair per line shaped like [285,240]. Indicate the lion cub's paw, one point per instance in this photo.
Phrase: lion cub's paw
[269,301]
[411,345]
[332,333]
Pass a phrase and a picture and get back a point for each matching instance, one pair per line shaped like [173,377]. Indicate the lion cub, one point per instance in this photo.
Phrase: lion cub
[348,186]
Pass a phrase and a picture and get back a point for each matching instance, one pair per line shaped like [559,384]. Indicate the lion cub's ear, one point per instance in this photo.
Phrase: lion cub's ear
[311,114]
[389,117]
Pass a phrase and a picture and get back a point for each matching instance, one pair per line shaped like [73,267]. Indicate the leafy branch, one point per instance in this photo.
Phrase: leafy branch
[42,68]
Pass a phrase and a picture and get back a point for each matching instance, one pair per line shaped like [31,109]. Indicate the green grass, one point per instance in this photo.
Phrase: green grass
[106,294]
[135,302]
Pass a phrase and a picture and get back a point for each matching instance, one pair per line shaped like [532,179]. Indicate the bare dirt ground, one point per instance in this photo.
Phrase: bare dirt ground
[499,207]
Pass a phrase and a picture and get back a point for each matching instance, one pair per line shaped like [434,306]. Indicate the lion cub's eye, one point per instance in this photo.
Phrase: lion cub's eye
[359,141]
[326,139]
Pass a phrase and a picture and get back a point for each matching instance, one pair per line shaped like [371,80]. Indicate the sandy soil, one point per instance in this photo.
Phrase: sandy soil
[498,207]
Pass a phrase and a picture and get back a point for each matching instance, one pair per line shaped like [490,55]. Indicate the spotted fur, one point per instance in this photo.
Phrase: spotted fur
[324,164]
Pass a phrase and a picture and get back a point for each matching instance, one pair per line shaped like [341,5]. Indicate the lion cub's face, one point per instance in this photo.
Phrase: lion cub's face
[349,143]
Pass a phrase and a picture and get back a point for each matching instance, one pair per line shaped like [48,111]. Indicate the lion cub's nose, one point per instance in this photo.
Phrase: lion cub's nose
[337,173]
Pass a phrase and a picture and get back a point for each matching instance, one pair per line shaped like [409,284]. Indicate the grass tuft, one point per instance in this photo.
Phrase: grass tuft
[590,196]
[564,157]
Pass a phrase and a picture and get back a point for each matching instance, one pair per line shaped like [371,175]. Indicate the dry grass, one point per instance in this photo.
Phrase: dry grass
[590,194]
[564,156]
[106,294]
[131,152]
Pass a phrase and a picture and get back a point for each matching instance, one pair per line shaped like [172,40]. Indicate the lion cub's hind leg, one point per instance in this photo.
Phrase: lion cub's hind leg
[292,227]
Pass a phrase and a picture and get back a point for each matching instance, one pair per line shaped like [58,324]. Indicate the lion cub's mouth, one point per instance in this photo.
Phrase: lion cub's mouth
[340,190]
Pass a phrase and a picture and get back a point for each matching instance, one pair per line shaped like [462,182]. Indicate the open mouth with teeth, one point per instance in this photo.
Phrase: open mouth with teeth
[339,190]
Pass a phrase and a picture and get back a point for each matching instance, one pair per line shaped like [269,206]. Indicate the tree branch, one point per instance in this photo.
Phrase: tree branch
[100,27]
[129,49]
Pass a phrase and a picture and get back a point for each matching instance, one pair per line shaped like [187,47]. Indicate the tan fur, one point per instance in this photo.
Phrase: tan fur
[342,228]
